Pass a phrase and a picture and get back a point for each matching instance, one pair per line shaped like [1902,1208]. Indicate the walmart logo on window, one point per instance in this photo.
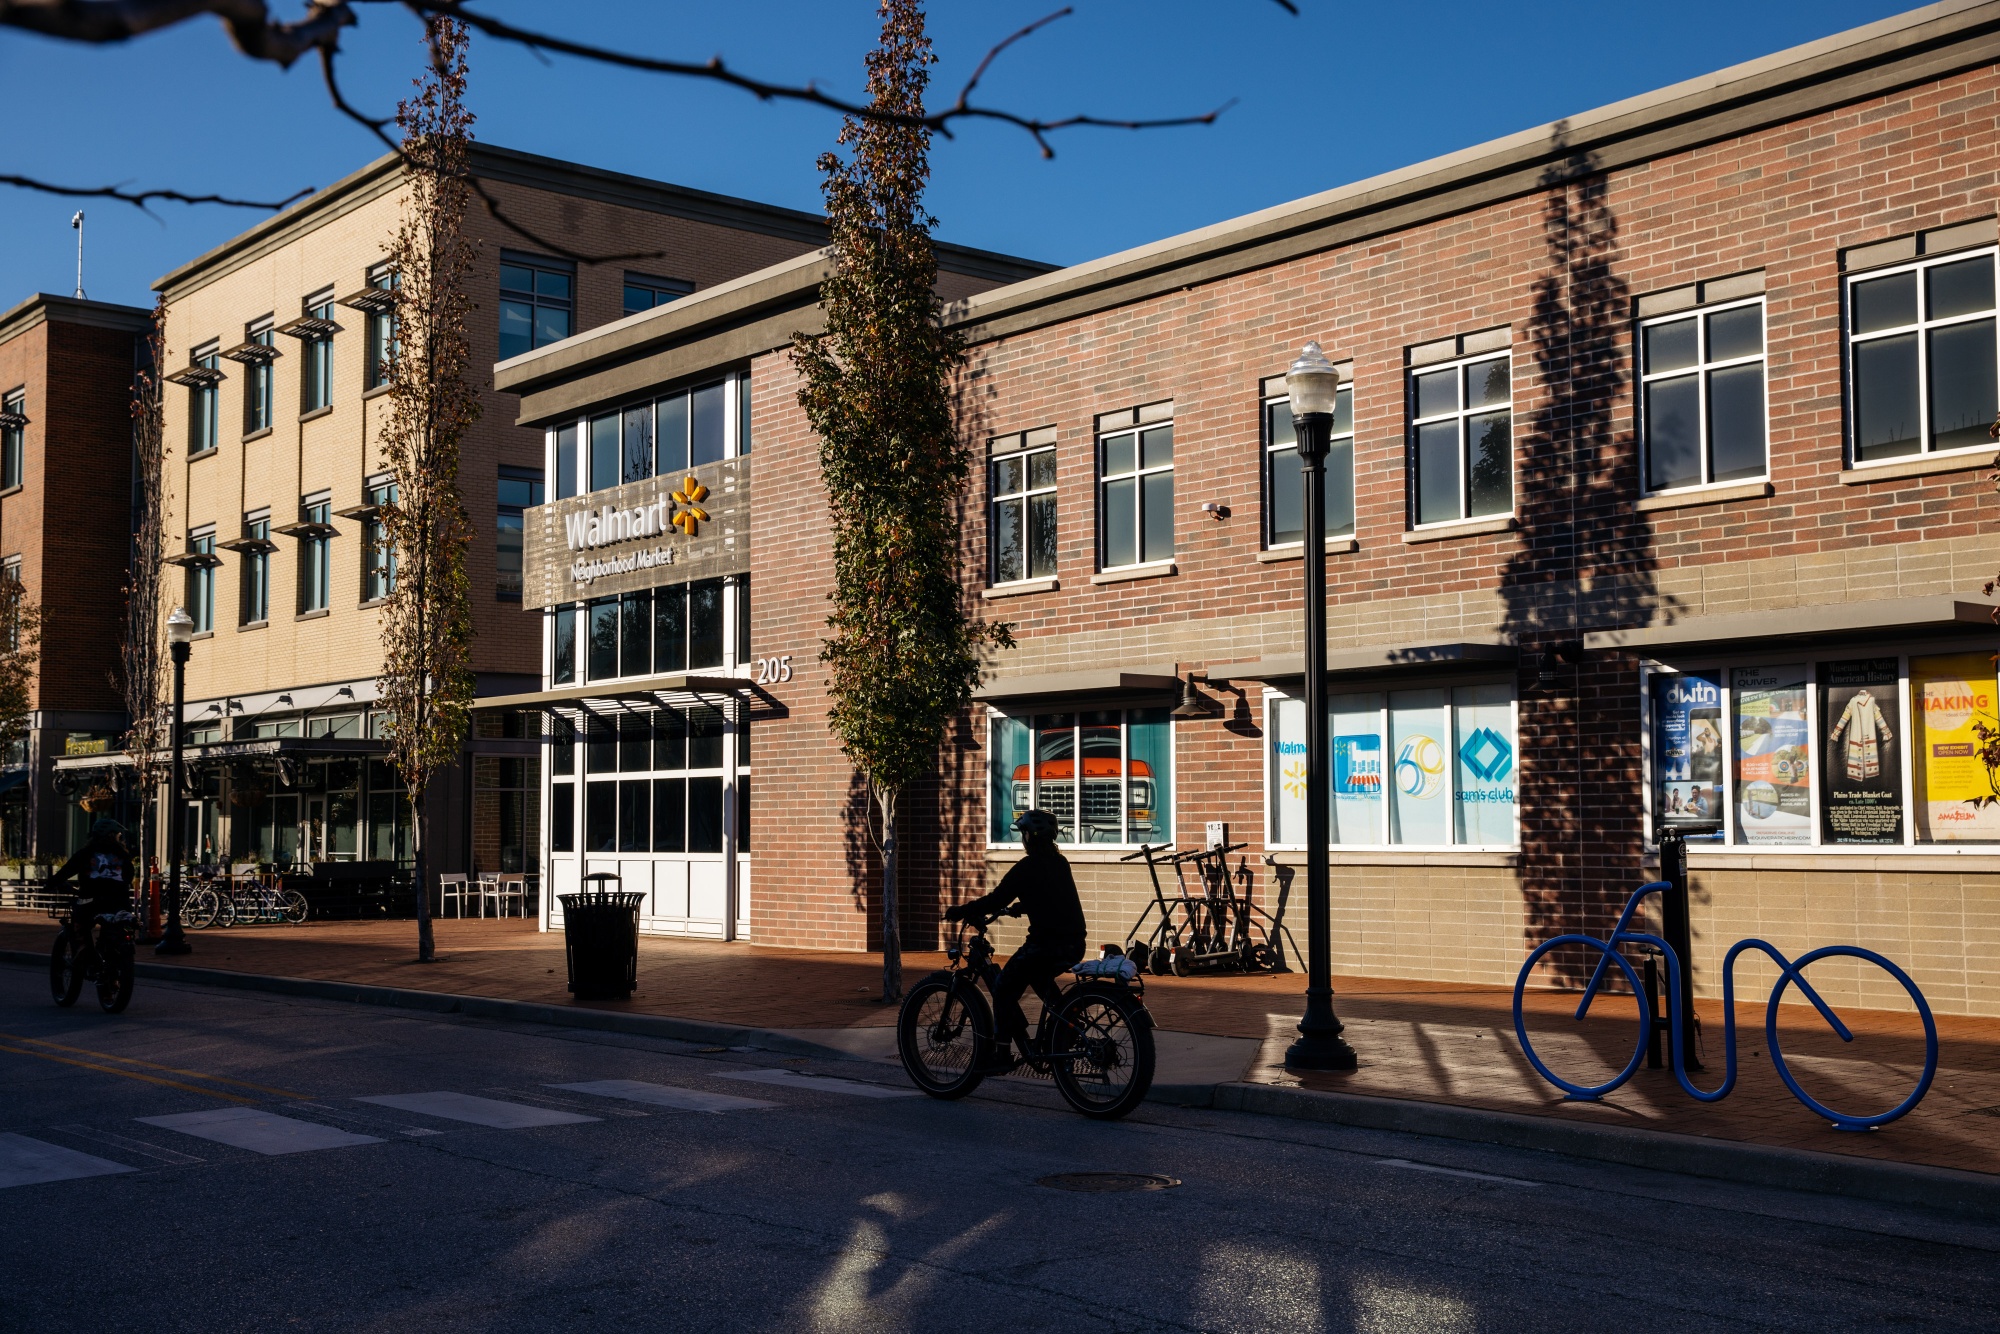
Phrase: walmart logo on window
[1487,754]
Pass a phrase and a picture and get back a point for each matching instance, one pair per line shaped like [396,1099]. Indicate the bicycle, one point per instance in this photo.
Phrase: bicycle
[103,956]
[1792,972]
[1095,1042]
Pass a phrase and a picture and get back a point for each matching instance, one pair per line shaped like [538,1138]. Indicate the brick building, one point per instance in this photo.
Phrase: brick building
[1659,498]
[275,342]
[66,368]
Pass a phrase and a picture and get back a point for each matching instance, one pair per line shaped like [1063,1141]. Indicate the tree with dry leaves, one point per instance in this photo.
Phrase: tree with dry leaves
[427,682]
[902,653]
[142,653]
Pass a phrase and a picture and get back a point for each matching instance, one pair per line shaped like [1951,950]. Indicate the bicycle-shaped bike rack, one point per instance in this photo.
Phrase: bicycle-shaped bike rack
[1792,973]
[1214,929]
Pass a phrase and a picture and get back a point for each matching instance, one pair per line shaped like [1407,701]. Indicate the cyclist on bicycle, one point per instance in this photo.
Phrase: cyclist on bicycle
[102,869]
[1041,884]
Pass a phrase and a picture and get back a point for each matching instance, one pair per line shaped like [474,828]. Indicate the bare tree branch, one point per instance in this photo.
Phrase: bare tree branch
[140,198]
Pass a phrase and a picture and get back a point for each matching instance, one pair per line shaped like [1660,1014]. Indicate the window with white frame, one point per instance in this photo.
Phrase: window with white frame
[1863,749]
[1461,439]
[1106,775]
[1923,368]
[1428,767]
[1135,486]
[653,780]
[662,438]
[1284,492]
[1021,477]
[1702,408]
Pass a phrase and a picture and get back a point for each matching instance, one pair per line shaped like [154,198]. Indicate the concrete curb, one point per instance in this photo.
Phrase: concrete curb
[1974,1193]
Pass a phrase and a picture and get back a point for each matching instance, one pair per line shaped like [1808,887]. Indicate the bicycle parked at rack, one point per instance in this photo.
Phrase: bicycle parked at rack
[95,950]
[1791,973]
[215,898]
[1095,1042]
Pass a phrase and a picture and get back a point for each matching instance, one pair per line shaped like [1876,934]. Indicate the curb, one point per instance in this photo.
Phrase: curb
[1974,1193]
[476,1007]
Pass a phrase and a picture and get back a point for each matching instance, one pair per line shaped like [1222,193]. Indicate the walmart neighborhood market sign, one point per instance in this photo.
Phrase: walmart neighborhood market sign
[625,538]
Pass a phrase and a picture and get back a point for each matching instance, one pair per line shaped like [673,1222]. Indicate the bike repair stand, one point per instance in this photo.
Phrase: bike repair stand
[1675,928]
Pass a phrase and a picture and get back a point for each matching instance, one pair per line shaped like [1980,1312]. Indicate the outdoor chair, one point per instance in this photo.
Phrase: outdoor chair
[500,890]
[452,887]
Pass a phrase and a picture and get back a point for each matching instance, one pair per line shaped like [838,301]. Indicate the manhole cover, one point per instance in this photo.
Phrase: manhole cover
[1105,1183]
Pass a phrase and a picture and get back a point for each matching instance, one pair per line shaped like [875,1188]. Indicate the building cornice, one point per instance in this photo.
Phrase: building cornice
[46,308]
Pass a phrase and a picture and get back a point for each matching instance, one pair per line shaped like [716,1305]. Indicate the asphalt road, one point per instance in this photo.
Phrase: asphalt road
[290,1201]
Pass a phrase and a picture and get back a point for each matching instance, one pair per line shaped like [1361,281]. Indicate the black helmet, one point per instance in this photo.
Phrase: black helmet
[1037,823]
[107,828]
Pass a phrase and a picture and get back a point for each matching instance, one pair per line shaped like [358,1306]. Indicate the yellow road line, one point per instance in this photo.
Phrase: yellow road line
[128,1074]
[155,1065]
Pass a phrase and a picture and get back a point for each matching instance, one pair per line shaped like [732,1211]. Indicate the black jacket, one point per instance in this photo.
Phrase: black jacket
[1042,885]
[101,868]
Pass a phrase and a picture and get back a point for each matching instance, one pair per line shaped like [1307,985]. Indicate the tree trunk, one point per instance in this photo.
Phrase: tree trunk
[426,945]
[892,933]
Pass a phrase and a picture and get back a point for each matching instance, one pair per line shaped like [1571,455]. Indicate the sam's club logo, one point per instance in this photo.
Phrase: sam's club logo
[1487,754]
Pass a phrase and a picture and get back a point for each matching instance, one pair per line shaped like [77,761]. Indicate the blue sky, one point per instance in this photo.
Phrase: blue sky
[1341,93]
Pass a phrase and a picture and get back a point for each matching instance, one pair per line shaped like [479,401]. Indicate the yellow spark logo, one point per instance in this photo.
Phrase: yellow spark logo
[688,512]
[1294,778]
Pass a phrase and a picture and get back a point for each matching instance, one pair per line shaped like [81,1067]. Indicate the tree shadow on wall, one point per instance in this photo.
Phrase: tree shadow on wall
[1585,560]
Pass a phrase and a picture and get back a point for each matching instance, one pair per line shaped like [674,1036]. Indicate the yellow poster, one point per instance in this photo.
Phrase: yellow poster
[1955,696]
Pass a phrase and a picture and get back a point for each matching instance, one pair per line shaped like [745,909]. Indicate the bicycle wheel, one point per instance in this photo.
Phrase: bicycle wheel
[114,972]
[1102,1054]
[198,909]
[1841,1120]
[1582,1092]
[944,1033]
[292,907]
[66,968]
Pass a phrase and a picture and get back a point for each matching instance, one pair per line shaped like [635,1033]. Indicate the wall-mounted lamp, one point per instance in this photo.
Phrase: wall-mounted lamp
[1215,509]
[1192,704]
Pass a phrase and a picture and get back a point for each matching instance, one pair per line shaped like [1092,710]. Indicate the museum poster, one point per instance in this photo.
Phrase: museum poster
[1687,752]
[1955,795]
[1861,789]
[1773,756]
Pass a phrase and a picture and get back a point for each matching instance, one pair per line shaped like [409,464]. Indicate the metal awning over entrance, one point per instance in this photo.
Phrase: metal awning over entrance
[605,696]
[1464,653]
[1107,681]
[222,752]
[1942,614]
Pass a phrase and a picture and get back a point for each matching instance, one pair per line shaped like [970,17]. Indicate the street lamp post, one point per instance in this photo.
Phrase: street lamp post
[180,640]
[1314,386]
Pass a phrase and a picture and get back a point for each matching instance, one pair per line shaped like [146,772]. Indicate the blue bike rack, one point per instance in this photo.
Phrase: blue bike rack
[1792,974]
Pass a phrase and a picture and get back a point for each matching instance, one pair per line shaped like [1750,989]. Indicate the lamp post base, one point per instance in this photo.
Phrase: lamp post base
[1320,1051]
[173,942]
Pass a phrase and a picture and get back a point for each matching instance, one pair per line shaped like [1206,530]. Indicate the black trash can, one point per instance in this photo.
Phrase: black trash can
[601,940]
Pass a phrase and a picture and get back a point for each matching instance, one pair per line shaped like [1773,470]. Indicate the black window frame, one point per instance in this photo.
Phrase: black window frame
[533,300]
[510,528]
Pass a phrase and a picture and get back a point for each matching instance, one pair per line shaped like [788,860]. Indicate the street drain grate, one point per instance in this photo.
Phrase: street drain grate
[1107,1183]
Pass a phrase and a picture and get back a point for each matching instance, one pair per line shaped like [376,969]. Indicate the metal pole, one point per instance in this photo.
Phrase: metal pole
[173,940]
[1320,1046]
[1675,926]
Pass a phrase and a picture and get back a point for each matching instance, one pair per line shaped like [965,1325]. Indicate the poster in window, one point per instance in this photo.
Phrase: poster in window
[1288,772]
[1773,756]
[1957,801]
[1483,728]
[1354,725]
[1861,780]
[1420,781]
[1687,749]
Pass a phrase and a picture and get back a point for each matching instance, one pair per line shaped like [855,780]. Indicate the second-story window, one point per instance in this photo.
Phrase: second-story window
[520,491]
[257,376]
[1462,440]
[201,579]
[13,439]
[1135,486]
[315,553]
[256,608]
[535,303]
[565,461]
[316,332]
[382,328]
[643,292]
[203,399]
[1022,516]
[1922,357]
[378,553]
[1702,413]
[1284,504]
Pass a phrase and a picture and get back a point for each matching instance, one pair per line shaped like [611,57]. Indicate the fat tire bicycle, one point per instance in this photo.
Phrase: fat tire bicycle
[98,950]
[1095,1042]
[1791,973]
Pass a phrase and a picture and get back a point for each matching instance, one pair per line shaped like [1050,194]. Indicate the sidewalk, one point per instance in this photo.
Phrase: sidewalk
[1431,1042]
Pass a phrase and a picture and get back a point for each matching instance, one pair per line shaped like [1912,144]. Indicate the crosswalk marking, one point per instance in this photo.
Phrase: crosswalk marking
[258,1131]
[666,1095]
[819,1083]
[29,1162]
[478,1111]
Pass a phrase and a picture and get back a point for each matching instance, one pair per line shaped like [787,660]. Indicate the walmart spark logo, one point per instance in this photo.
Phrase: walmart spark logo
[1294,779]
[1487,754]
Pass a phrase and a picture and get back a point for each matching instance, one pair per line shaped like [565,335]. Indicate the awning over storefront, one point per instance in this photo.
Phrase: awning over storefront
[649,689]
[1827,621]
[1377,658]
[217,752]
[1064,685]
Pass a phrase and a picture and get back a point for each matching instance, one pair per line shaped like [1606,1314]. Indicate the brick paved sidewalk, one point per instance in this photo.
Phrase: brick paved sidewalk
[1437,1042]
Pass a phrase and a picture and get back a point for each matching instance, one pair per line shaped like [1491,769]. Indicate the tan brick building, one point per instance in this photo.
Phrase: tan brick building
[275,342]
[66,368]
[1660,498]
